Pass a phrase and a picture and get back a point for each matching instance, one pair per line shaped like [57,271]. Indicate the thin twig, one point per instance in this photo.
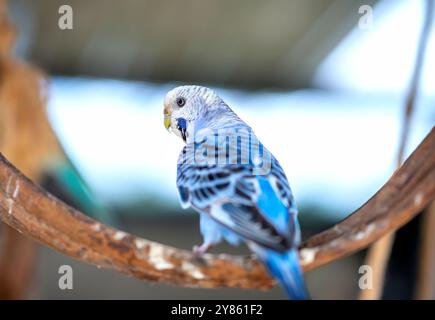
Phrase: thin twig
[379,253]
[415,80]
[40,216]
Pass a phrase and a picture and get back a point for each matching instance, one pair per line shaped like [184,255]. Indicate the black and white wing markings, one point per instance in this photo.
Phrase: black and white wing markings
[201,179]
[200,186]
[228,193]
[280,182]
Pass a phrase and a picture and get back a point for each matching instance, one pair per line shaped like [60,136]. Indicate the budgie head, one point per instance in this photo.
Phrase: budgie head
[189,107]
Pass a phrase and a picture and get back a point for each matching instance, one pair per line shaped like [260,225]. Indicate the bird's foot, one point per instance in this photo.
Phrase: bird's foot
[198,251]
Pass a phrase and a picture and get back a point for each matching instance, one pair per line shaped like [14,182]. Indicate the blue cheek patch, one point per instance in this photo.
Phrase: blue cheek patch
[182,126]
[181,123]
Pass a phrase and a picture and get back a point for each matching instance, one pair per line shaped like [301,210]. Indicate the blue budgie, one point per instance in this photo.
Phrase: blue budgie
[237,186]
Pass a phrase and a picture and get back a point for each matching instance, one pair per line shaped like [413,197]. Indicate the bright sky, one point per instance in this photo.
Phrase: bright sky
[381,59]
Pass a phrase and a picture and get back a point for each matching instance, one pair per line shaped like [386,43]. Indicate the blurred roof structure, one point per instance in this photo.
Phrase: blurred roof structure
[246,43]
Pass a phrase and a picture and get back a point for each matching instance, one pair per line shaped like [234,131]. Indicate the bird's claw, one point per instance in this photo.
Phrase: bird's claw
[198,251]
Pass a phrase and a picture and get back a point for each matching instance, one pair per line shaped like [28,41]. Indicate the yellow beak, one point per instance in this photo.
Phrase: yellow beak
[167,122]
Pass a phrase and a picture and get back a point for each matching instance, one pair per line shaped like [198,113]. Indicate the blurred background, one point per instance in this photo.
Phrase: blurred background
[323,90]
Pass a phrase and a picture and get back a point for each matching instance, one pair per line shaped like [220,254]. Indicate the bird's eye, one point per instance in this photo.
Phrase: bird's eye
[181,101]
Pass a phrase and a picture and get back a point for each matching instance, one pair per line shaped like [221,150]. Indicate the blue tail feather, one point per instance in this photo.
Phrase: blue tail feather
[284,266]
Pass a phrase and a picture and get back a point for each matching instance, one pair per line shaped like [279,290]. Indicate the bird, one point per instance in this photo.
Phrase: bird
[238,187]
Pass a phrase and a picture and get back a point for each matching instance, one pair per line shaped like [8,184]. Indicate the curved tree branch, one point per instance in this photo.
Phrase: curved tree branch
[39,215]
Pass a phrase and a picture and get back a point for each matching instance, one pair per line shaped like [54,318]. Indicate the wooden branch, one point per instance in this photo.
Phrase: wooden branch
[39,215]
